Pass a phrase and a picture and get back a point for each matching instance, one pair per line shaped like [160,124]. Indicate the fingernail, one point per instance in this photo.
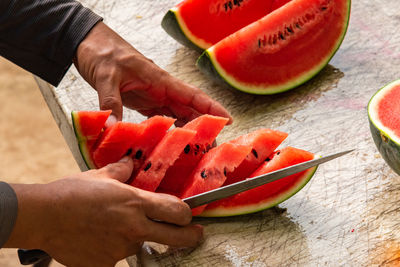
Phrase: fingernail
[111,120]
[124,159]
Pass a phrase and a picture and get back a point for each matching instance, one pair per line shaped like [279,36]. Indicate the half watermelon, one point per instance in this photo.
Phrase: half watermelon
[200,24]
[384,121]
[267,195]
[281,50]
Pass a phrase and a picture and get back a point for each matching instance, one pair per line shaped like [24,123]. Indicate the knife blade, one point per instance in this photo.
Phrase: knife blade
[250,183]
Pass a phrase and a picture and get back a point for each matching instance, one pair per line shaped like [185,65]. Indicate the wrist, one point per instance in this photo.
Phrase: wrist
[30,229]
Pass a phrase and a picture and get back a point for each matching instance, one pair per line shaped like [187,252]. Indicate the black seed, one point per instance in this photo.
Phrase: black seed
[324,8]
[138,154]
[281,36]
[230,4]
[197,147]
[128,152]
[278,152]
[254,153]
[289,30]
[203,174]
[259,42]
[267,159]
[226,6]
[235,2]
[225,171]
[187,149]
[148,166]
[298,25]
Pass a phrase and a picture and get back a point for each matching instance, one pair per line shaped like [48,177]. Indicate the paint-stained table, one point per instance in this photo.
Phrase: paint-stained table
[348,215]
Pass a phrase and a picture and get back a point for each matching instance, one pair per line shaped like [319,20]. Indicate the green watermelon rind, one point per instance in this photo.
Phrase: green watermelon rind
[386,142]
[226,212]
[82,142]
[176,28]
[209,65]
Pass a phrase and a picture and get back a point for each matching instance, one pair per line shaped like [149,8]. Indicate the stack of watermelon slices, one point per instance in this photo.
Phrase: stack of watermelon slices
[183,162]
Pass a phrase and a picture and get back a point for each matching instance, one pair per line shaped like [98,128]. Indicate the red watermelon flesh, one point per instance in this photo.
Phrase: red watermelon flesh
[115,142]
[207,128]
[268,195]
[161,158]
[154,129]
[210,172]
[88,125]
[278,3]
[263,143]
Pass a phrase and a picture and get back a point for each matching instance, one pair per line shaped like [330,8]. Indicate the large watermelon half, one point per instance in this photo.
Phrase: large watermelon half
[200,24]
[159,150]
[281,50]
[384,121]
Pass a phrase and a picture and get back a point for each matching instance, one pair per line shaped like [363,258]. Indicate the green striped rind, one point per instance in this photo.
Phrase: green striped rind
[388,143]
[208,64]
[82,142]
[176,28]
[224,212]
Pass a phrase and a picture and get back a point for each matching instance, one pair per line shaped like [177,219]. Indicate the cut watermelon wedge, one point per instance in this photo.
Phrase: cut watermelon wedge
[211,171]
[161,158]
[200,24]
[88,125]
[268,195]
[207,128]
[281,50]
[263,143]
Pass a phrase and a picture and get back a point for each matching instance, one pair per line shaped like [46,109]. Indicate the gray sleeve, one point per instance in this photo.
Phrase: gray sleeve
[42,36]
[8,211]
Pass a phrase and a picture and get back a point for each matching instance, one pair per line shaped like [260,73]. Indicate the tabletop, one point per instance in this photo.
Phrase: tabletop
[347,215]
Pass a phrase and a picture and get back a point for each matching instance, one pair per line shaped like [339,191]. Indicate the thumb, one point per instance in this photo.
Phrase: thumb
[121,170]
[110,98]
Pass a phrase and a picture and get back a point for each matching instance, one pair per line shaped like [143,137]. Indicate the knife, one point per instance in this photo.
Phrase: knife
[28,257]
[247,184]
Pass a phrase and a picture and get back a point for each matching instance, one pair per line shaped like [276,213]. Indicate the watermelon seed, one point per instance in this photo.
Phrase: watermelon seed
[203,174]
[324,8]
[148,166]
[225,172]
[254,153]
[128,152]
[289,30]
[138,154]
[259,42]
[267,159]
[187,149]
[281,36]
[226,6]
[230,4]
[278,152]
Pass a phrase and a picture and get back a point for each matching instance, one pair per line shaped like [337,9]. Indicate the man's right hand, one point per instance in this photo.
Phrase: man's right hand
[93,219]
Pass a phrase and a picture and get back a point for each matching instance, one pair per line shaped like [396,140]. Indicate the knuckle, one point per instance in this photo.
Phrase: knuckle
[108,102]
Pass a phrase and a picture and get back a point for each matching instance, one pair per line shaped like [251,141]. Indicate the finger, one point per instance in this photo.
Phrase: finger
[176,236]
[166,208]
[110,97]
[121,170]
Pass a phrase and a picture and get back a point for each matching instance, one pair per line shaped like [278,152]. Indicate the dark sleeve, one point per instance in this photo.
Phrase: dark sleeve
[41,36]
[8,211]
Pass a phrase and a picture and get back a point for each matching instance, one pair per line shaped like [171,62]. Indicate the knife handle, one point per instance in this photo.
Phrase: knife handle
[31,256]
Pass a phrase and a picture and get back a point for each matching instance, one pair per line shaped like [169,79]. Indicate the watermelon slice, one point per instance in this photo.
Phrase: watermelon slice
[281,50]
[88,125]
[263,143]
[130,138]
[200,24]
[268,195]
[211,171]
[207,128]
[384,121]
[161,158]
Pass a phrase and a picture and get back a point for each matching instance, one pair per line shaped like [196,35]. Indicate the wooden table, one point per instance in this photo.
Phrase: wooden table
[348,215]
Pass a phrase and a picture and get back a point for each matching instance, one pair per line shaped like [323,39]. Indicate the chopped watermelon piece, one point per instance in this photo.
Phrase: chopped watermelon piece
[207,128]
[211,171]
[267,195]
[161,158]
[263,143]
[88,125]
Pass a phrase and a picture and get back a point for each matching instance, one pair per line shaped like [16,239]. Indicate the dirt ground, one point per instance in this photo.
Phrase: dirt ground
[32,149]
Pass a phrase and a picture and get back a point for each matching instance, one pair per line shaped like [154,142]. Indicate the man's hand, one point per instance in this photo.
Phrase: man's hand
[122,75]
[92,219]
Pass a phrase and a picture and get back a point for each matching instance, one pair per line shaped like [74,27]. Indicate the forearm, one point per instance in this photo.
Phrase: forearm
[8,212]
[42,36]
